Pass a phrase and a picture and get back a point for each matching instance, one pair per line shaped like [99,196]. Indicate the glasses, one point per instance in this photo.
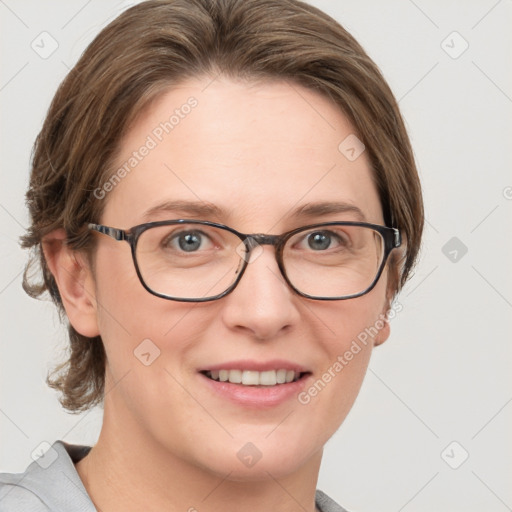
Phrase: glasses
[199,261]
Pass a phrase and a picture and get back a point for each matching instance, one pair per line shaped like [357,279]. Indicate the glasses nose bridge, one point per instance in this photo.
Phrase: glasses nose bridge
[257,239]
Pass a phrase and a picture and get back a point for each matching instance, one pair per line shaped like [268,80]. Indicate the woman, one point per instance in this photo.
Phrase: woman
[224,202]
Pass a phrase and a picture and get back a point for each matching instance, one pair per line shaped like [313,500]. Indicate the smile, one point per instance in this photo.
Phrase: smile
[254,378]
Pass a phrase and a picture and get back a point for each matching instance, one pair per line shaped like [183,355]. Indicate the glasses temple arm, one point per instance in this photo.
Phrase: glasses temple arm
[116,234]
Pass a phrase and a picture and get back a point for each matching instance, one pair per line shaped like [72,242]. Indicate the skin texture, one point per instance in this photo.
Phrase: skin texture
[257,151]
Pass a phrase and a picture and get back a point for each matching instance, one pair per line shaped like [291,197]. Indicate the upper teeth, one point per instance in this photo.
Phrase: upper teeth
[253,378]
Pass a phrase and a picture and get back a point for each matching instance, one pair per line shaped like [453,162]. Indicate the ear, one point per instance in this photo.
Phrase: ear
[392,277]
[383,333]
[75,282]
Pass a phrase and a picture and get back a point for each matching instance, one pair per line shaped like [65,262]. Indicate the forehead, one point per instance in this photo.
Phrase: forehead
[256,152]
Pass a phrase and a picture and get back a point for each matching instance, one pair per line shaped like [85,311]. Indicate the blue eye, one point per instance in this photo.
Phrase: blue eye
[189,242]
[319,241]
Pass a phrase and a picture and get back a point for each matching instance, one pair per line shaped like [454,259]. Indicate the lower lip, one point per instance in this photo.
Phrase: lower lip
[258,397]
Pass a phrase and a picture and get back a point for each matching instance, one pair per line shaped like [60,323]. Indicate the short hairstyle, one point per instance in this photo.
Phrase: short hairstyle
[138,57]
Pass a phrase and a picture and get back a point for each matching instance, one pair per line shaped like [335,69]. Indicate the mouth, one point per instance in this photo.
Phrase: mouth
[256,384]
[267,378]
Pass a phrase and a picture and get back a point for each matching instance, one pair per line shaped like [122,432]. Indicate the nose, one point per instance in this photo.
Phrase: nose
[262,305]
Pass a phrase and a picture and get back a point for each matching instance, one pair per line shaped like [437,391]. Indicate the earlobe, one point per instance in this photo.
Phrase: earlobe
[393,272]
[383,333]
[75,282]
[384,327]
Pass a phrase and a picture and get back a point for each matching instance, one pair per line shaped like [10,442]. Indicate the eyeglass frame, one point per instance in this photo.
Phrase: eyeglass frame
[391,236]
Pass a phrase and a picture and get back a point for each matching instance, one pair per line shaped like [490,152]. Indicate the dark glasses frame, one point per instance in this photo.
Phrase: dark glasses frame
[391,236]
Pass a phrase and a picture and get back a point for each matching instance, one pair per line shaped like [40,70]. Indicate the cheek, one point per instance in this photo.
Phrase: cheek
[139,329]
[350,329]
[128,315]
[356,322]
[120,295]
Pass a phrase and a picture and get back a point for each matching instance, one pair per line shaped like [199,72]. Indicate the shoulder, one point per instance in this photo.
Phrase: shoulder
[14,496]
[326,504]
[49,484]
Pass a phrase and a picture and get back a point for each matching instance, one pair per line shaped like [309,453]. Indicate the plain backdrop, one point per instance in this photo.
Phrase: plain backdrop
[431,427]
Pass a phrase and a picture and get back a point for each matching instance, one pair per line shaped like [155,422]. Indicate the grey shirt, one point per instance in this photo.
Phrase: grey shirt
[52,484]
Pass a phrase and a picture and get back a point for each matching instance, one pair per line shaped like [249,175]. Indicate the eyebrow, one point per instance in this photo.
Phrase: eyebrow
[193,208]
[328,208]
[209,210]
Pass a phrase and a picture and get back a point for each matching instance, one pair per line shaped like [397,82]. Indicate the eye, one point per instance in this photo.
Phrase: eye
[319,241]
[187,241]
[323,240]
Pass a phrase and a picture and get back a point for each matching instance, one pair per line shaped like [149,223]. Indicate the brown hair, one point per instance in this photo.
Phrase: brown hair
[158,43]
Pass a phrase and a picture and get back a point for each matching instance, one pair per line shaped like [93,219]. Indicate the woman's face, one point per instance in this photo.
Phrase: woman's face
[258,158]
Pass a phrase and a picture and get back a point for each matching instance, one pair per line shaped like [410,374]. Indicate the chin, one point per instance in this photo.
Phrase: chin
[262,470]
[260,459]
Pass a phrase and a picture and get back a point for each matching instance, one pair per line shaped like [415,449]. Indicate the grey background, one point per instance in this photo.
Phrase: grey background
[444,375]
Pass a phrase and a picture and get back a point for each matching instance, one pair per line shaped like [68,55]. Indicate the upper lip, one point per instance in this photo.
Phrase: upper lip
[258,366]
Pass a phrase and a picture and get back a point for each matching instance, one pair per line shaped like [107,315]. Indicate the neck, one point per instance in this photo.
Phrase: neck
[129,471]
